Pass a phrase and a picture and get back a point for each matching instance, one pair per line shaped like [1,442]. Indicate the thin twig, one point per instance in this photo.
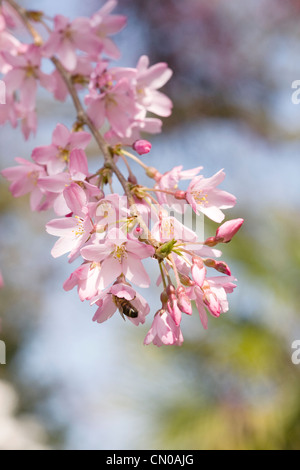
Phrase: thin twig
[83,118]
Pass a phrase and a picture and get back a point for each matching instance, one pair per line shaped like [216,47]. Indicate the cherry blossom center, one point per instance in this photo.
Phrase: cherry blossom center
[200,197]
[120,252]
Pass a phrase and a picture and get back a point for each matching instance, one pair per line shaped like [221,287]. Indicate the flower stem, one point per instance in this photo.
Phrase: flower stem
[162,275]
[83,118]
[133,157]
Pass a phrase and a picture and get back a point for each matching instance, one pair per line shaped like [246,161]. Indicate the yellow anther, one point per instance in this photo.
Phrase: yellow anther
[120,253]
[200,198]
[63,154]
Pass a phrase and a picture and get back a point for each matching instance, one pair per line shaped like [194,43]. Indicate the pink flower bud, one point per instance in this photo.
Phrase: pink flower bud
[186,280]
[198,272]
[171,289]
[227,230]
[174,310]
[138,231]
[142,146]
[212,302]
[184,302]
[172,304]
[223,268]
[220,266]
[180,194]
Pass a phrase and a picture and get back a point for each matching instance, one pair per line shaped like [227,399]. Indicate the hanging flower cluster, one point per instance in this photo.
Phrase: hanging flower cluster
[112,233]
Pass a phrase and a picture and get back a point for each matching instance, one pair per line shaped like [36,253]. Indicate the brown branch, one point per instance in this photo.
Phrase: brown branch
[83,118]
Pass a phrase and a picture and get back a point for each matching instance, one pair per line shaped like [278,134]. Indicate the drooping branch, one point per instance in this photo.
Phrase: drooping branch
[83,118]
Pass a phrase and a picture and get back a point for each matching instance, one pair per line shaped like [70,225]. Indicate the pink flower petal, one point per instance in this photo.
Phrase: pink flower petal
[61,247]
[43,154]
[28,93]
[78,164]
[111,269]
[79,140]
[106,309]
[123,292]
[61,136]
[62,227]
[67,54]
[135,272]
[96,253]
[140,250]
[75,198]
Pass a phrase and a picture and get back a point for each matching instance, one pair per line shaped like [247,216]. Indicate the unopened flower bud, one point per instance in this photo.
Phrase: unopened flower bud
[142,146]
[186,280]
[223,268]
[198,271]
[184,302]
[171,289]
[226,232]
[180,194]
[174,309]
[138,231]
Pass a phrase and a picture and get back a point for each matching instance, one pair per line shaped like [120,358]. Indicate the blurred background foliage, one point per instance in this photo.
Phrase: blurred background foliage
[234,387]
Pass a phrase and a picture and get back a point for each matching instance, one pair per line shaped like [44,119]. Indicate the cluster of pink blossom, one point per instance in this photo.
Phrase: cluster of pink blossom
[109,233]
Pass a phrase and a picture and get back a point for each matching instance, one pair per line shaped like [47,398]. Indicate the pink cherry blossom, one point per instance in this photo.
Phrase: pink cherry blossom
[119,255]
[204,196]
[68,37]
[221,286]
[169,181]
[24,74]
[56,185]
[114,101]
[104,24]
[57,155]
[25,179]
[87,280]
[108,303]
[148,81]
[211,296]
[164,331]
[169,228]
[73,231]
